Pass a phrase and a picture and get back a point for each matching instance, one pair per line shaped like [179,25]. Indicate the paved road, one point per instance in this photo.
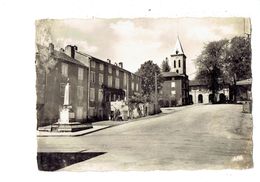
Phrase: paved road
[198,137]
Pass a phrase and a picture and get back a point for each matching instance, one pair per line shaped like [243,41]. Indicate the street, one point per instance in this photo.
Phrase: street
[196,137]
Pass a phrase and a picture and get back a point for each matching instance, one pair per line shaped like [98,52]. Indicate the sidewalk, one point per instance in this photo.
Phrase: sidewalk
[70,134]
[101,125]
[167,110]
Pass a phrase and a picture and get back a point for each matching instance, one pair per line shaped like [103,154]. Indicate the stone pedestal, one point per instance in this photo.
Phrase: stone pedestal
[70,127]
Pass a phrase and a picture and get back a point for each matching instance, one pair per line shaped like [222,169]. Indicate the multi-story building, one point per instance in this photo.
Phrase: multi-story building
[175,88]
[107,82]
[94,83]
[54,69]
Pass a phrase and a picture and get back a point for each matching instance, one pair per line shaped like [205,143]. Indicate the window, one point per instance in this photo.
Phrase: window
[117,83]
[100,95]
[91,111]
[92,76]
[109,69]
[64,69]
[101,79]
[109,80]
[177,71]
[117,72]
[125,79]
[173,84]
[173,92]
[136,86]
[80,92]
[174,63]
[79,113]
[62,89]
[101,67]
[80,73]
[93,64]
[92,94]
[179,63]
[133,85]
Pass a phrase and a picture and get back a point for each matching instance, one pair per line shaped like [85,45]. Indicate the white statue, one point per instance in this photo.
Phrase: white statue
[64,113]
[67,94]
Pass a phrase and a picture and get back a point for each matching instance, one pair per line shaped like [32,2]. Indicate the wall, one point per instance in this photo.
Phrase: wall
[182,68]
[195,92]
[167,88]
[50,98]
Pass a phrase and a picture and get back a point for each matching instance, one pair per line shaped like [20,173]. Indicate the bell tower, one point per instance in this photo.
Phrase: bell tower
[178,59]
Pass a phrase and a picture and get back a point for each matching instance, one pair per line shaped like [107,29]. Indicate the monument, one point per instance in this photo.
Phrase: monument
[66,122]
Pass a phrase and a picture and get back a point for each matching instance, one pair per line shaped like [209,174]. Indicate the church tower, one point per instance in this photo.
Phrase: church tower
[178,59]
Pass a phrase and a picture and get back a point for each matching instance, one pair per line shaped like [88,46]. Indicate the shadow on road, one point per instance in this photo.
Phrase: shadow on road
[55,161]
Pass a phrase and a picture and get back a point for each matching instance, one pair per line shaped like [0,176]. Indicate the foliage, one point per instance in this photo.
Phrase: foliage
[210,64]
[147,72]
[224,61]
[165,65]
[238,63]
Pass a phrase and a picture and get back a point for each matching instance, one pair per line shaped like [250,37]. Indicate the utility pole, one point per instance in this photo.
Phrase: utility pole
[156,93]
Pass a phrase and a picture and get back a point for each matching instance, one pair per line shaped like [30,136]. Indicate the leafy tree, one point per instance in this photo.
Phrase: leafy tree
[165,65]
[225,61]
[237,66]
[210,64]
[147,72]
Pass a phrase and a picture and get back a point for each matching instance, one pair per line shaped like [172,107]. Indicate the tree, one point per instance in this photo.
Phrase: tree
[229,61]
[237,66]
[165,65]
[210,64]
[147,72]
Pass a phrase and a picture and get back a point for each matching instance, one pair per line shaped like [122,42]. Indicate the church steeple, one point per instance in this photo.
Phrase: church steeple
[178,59]
[178,47]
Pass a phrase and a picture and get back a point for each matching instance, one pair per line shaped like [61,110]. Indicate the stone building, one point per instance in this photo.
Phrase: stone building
[53,70]
[200,93]
[175,88]
[107,82]
[94,83]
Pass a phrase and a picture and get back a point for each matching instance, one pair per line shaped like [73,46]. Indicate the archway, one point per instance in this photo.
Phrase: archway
[200,98]
[190,99]
[211,98]
[222,98]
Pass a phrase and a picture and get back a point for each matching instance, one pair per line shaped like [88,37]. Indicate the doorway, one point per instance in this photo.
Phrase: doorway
[200,98]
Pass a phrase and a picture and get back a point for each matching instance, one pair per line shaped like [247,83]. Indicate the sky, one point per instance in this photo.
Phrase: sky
[134,41]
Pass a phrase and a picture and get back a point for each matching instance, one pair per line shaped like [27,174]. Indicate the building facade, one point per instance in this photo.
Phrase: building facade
[53,70]
[200,93]
[94,83]
[175,87]
[108,82]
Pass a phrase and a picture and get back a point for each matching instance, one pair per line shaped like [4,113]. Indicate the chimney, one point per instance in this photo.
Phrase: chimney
[51,49]
[121,64]
[70,50]
[109,61]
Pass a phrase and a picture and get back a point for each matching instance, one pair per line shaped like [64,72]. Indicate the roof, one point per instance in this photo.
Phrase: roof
[245,82]
[197,83]
[105,62]
[178,47]
[170,74]
[58,55]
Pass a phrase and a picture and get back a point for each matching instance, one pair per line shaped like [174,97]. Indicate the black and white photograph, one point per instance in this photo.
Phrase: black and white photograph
[129,90]
[144,94]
